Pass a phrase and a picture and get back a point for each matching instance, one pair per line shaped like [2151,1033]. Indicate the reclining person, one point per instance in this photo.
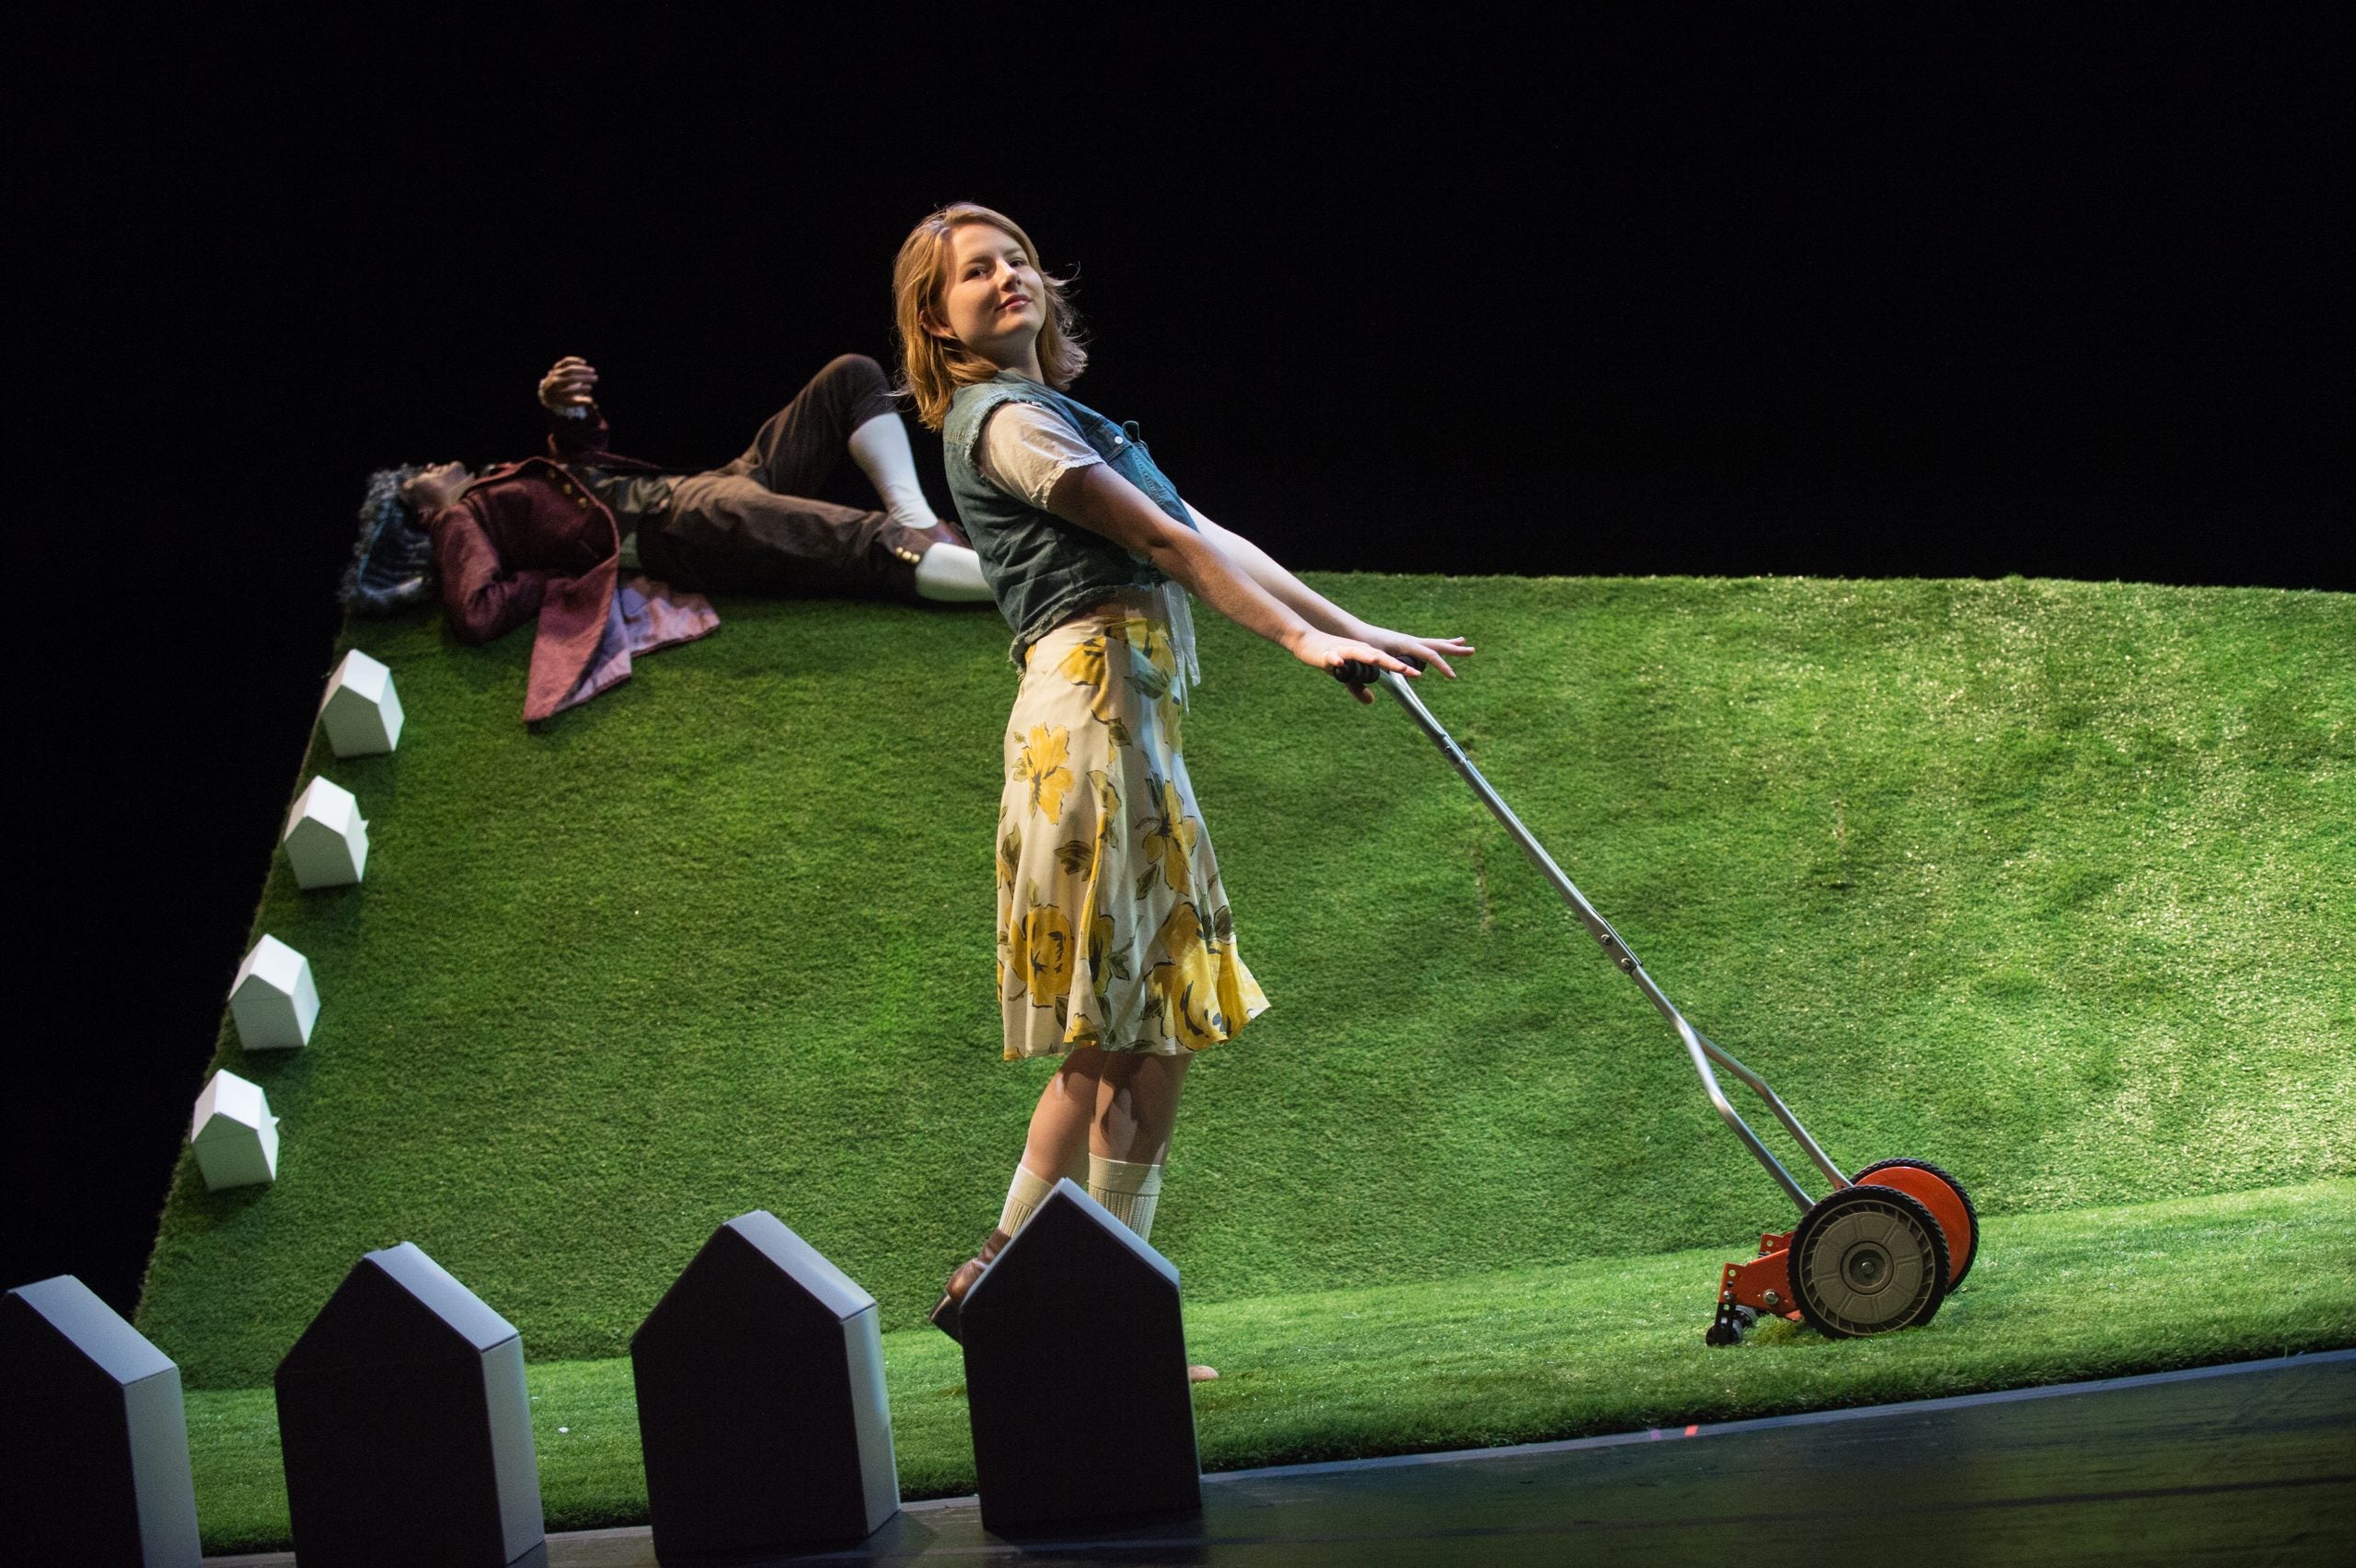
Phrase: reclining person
[551,537]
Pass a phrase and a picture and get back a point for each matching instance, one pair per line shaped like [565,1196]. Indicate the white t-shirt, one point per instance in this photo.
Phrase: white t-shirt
[1026,447]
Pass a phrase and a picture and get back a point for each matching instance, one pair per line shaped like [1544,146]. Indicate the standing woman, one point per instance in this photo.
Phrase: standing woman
[1115,948]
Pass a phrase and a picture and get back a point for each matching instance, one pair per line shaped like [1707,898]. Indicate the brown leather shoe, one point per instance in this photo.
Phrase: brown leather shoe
[961,1281]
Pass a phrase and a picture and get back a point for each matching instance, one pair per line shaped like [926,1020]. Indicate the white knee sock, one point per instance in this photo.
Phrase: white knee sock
[1029,1190]
[950,571]
[879,448]
[1130,1191]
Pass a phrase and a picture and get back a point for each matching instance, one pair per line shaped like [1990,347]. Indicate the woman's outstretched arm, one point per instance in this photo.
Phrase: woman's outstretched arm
[1318,610]
[1098,498]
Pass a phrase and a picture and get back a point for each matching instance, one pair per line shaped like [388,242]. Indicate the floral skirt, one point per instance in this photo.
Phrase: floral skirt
[1113,928]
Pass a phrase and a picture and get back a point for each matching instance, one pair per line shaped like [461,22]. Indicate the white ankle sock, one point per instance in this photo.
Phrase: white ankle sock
[879,448]
[1029,1190]
[952,572]
[1130,1191]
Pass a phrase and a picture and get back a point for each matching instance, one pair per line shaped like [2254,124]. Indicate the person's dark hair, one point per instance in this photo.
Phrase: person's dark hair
[392,562]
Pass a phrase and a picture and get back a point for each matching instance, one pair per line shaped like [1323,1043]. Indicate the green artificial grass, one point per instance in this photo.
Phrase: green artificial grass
[2045,882]
[1565,1351]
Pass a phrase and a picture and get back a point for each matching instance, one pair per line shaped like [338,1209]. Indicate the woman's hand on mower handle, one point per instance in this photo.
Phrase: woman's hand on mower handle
[1418,651]
[1324,651]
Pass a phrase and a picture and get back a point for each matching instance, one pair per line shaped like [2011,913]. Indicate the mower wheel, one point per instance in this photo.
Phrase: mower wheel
[1867,1260]
[1923,1181]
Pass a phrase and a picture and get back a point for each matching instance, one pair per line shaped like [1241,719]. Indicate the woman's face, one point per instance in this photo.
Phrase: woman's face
[992,301]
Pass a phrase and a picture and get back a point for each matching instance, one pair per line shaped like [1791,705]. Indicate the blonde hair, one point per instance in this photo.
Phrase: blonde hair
[932,368]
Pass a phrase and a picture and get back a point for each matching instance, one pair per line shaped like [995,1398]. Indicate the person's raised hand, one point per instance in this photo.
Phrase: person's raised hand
[568,384]
[1324,651]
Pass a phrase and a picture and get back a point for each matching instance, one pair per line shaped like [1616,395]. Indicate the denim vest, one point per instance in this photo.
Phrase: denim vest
[1042,569]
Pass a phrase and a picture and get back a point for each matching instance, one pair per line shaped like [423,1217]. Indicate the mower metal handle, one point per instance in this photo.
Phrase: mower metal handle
[1697,1046]
[1359,673]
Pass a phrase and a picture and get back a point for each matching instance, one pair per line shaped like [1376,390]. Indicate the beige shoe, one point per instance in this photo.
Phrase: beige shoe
[1202,1374]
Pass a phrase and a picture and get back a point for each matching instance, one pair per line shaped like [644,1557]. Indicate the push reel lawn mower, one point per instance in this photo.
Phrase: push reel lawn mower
[1876,1253]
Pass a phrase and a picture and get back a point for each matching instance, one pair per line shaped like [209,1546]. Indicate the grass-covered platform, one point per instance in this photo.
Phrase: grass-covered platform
[1606,1344]
[2046,881]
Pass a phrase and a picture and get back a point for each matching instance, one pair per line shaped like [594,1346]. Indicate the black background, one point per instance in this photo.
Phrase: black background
[1898,291]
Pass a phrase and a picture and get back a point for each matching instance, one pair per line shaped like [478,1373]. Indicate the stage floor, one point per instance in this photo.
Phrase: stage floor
[2249,1463]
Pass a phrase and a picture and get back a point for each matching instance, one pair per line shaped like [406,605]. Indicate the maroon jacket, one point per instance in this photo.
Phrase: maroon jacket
[528,539]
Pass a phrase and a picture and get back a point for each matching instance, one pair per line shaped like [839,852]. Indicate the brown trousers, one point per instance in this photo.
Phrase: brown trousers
[752,527]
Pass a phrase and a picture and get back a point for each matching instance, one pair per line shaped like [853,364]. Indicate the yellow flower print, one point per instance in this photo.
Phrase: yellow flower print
[1106,961]
[1089,664]
[1187,982]
[1172,714]
[1108,817]
[1086,857]
[1084,665]
[1040,765]
[1239,997]
[1153,663]
[1169,834]
[1152,639]
[1041,941]
[1010,856]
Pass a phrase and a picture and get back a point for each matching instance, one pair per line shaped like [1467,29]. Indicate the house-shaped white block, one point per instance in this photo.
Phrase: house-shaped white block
[362,713]
[326,841]
[274,998]
[235,1135]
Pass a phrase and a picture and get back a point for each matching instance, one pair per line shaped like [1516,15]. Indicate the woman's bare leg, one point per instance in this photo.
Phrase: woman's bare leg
[1057,1145]
[1058,1139]
[1137,1106]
